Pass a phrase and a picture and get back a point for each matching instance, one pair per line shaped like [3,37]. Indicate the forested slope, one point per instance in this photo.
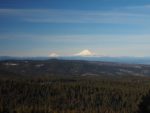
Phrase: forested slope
[51,94]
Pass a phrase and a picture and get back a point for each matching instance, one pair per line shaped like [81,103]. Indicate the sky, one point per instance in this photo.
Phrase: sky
[70,27]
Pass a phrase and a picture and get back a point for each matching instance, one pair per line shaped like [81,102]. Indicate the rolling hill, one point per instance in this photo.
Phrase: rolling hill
[71,67]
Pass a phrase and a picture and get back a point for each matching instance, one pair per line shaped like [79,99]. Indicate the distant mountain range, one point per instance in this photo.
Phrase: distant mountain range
[70,68]
[128,60]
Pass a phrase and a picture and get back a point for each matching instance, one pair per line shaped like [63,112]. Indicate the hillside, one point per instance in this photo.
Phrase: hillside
[71,67]
[73,86]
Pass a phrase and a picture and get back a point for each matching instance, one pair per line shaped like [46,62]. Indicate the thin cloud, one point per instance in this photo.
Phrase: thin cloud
[96,40]
[75,16]
[147,6]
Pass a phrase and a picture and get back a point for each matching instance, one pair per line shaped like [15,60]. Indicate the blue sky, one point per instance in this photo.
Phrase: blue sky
[66,27]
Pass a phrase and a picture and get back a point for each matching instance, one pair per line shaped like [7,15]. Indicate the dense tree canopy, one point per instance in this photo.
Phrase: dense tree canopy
[88,94]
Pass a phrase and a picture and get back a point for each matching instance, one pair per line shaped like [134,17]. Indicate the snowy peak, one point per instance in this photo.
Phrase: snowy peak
[85,52]
[53,55]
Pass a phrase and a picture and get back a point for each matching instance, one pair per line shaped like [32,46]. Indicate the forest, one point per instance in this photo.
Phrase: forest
[74,94]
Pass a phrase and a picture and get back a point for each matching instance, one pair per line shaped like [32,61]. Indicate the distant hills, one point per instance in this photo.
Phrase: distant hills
[128,60]
[69,67]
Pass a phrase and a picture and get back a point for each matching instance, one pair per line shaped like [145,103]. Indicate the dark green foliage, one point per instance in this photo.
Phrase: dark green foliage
[49,94]
[144,106]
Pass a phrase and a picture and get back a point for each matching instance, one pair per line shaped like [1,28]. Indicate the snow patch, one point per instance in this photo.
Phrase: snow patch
[85,52]
[53,55]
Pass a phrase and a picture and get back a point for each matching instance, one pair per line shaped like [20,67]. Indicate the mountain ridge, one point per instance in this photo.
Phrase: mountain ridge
[72,67]
[128,60]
